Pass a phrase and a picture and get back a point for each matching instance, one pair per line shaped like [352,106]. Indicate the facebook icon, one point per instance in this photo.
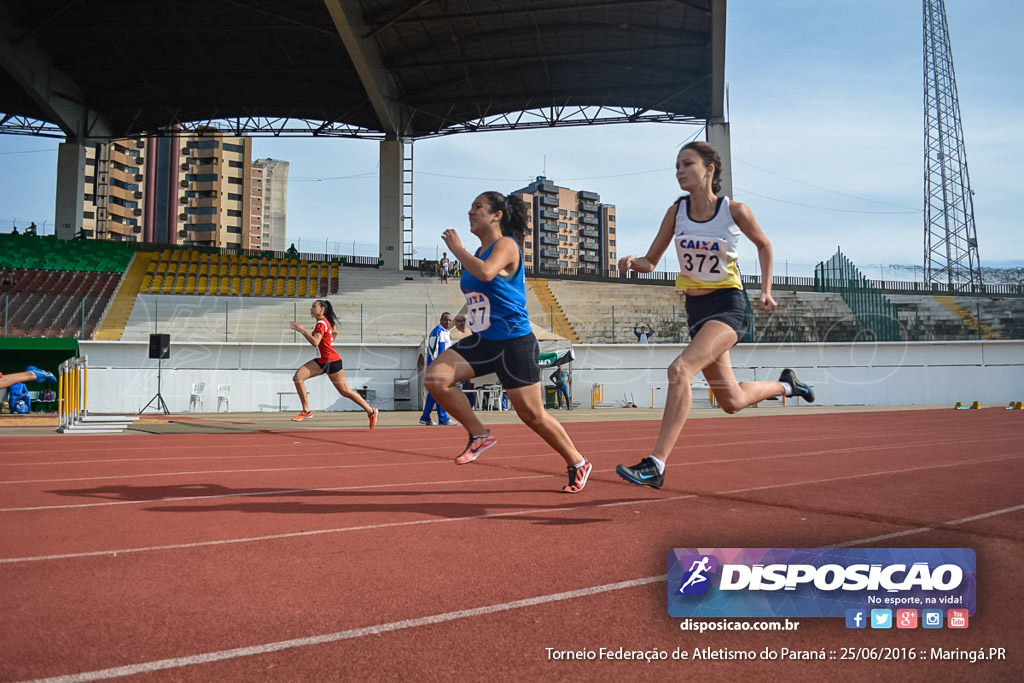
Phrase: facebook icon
[856,618]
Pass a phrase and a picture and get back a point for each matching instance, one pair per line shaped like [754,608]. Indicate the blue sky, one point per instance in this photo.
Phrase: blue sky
[825,105]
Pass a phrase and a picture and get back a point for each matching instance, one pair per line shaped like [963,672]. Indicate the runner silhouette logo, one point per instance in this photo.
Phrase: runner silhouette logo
[696,580]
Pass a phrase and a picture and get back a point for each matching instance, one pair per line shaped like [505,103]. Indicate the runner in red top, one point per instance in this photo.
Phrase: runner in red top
[328,363]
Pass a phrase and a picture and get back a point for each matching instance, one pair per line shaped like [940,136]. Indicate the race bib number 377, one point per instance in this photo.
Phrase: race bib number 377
[478,315]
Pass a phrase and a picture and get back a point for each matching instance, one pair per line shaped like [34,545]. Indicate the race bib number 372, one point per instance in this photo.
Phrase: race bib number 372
[478,315]
[702,258]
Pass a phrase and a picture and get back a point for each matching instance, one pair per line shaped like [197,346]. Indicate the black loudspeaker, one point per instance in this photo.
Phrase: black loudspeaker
[160,346]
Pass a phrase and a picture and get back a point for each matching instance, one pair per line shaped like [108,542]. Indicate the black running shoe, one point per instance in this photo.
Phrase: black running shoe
[800,389]
[644,473]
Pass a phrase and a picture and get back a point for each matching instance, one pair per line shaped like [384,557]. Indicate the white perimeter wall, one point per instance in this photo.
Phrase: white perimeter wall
[122,379]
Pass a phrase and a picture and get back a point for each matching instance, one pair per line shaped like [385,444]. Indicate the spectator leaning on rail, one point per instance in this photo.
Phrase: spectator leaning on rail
[643,335]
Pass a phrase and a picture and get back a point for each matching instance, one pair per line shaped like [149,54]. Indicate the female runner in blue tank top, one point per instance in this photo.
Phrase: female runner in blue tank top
[502,340]
[705,230]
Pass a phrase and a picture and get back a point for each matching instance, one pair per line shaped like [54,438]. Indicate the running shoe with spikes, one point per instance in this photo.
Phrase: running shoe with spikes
[578,476]
[644,473]
[303,415]
[42,375]
[476,446]
[427,423]
[373,418]
[800,389]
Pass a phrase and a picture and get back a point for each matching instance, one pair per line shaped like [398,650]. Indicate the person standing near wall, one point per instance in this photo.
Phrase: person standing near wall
[561,379]
[438,340]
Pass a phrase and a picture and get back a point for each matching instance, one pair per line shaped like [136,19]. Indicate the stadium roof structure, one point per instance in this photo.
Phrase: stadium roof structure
[384,69]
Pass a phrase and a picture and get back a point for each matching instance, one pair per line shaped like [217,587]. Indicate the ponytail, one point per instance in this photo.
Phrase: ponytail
[513,214]
[329,315]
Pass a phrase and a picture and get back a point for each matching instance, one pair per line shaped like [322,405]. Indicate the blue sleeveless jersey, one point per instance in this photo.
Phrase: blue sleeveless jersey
[497,309]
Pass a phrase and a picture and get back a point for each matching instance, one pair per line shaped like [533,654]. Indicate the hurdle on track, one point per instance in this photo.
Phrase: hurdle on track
[73,402]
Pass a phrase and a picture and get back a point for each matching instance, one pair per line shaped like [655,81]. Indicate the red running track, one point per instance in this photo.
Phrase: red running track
[356,555]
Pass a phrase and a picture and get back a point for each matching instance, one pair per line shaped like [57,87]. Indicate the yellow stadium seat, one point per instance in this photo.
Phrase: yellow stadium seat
[301,291]
[151,268]
[264,270]
[190,285]
[214,284]
[236,286]
[147,282]
[290,288]
[279,287]
[257,287]
[193,268]
[225,286]
[204,269]
[273,271]
[168,285]
[243,270]
[201,286]
[158,280]
[247,287]
[222,270]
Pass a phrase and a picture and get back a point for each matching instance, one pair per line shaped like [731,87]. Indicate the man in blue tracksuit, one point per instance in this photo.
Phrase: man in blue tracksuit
[439,340]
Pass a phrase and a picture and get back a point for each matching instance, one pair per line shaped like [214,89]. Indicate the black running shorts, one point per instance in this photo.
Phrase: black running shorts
[513,360]
[331,367]
[726,305]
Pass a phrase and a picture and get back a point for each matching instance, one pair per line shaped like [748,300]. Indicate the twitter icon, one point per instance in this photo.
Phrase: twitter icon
[881,618]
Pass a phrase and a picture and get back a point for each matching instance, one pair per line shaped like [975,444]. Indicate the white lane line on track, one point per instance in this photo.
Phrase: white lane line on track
[496,515]
[387,627]
[786,437]
[853,449]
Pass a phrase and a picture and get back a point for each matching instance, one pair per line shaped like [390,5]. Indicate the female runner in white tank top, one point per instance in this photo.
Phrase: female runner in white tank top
[705,230]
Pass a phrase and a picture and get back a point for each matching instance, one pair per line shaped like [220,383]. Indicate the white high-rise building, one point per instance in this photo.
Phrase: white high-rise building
[268,205]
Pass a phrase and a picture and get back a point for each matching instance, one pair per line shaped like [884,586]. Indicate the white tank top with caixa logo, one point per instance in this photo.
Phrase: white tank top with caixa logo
[707,250]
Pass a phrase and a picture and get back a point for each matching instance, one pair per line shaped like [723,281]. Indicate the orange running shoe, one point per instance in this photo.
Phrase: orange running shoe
[303,415]
[578,476]
[476,446]
[373,418]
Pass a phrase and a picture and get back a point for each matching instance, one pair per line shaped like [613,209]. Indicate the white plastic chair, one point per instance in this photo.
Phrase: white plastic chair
[224,396]
[494,397]
[198,388]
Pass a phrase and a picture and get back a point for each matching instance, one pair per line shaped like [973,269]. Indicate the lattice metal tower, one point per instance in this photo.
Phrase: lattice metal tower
[950,241]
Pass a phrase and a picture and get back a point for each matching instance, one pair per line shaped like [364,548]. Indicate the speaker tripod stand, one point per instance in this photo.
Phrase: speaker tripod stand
[160,404]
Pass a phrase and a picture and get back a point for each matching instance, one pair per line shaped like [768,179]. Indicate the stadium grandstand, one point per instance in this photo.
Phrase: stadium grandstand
[89,289]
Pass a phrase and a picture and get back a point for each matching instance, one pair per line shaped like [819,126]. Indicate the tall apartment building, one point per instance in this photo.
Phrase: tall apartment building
[185,188]
[268,205]
[569,229]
